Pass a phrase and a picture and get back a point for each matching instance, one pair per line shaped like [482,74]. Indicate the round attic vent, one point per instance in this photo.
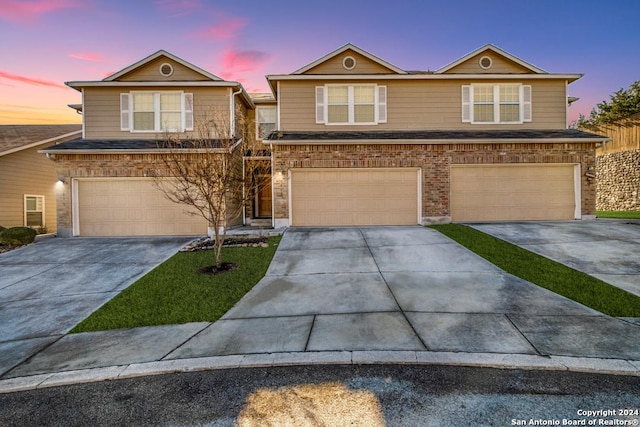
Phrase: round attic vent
[166,69]
[485,62]
[349,63]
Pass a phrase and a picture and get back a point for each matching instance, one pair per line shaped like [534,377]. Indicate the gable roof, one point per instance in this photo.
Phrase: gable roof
[15,138]
[356,49]
[494,49]
[153,57]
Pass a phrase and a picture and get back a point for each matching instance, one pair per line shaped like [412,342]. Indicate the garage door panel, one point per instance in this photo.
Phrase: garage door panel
[512,192]
[116,207]
[354,197]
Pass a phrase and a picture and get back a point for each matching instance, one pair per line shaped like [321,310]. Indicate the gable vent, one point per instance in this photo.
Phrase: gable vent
[485,62]
[349,63]
[166,69]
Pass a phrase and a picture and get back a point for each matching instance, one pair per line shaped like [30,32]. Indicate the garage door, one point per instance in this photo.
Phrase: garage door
[513,192]
[129,207]
[333,197]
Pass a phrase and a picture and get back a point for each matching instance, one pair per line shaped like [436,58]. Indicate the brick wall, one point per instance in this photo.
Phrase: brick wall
[618,181]
[435,161]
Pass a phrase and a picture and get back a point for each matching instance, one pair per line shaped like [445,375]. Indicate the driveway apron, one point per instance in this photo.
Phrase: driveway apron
[402,288]
[46,288]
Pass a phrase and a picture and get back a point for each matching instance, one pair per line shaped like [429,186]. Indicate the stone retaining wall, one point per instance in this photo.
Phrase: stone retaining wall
[618,182]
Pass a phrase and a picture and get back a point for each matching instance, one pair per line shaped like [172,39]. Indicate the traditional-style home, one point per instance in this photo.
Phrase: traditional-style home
[352,140]
[484,138]
[28,181]
[126,117]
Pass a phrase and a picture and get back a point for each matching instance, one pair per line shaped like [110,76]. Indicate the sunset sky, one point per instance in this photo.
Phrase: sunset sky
[44,43]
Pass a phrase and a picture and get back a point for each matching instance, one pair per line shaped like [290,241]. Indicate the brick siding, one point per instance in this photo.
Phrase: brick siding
[434,160]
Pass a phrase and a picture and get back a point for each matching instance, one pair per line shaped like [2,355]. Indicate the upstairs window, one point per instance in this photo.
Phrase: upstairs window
[501,103]
[167,111]
[351,104]
[265,121]
[33,211]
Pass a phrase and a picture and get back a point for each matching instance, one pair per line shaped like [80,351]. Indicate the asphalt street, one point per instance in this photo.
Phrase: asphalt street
[371,395]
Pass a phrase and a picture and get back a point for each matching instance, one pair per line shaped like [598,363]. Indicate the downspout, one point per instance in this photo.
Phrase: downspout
[232,127]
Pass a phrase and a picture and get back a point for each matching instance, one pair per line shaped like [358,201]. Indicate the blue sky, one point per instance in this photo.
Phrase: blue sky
[44,43]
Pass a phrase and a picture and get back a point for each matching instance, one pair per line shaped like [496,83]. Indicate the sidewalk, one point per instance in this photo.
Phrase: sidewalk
[398,295]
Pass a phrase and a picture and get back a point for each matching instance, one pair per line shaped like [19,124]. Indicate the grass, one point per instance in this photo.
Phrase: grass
[175,293]
[546,273]
[618,214]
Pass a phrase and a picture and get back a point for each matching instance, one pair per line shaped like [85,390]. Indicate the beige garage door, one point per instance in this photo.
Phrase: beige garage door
[513,192]
[129,207]
[329,197]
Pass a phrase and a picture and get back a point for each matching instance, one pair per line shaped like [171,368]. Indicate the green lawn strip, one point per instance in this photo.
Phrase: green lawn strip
[618,214]
[546,273]
[174,292]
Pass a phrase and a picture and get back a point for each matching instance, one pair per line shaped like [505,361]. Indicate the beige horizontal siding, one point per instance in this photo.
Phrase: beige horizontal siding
[420,105]
[363,66]
[151,72]
[499,65]
[26,172]
[102,110]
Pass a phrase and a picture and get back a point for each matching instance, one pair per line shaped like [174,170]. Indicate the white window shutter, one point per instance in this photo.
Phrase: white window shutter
[526,103]
[320,105]
[466,104]
[188,111]
[382,104]
[124,112]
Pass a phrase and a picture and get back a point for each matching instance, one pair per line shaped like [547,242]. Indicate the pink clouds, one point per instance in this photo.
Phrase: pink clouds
[86,56]
[226,28]
[235,62]
[244,60]
[30,80]
[26,10]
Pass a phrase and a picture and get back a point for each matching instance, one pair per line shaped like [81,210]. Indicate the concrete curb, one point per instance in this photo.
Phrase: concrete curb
[477,360]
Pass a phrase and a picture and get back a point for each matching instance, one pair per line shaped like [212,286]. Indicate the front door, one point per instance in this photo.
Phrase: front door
[263,196]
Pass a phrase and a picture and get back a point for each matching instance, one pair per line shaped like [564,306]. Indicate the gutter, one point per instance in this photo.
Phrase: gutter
[435,141]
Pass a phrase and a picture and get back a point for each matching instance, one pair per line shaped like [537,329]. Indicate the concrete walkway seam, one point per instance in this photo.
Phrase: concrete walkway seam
[477,360]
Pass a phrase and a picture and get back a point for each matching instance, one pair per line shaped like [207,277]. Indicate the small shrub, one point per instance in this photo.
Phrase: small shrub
[2,228]
[17,235]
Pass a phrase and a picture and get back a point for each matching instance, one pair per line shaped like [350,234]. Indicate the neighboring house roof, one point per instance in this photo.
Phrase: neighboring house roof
[112,146]
[356,49]
[433,136]
[15,138]
[154,56]
[262,98]
[490,47]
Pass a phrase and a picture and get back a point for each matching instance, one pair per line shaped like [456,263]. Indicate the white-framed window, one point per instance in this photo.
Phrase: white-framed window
[338,104]
[496,103]
[33,211]
[266,118]
[163,111]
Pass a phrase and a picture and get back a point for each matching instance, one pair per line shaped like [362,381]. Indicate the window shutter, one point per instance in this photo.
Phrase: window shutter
[320,104]
[466,104]
[124,111]
[526,103]
[382,104]
[188,111]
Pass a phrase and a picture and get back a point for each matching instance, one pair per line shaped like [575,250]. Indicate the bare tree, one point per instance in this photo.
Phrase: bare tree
[213,170]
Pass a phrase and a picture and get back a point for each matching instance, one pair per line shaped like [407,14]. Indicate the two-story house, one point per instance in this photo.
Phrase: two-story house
[353,140]
[110,172]
[485,138]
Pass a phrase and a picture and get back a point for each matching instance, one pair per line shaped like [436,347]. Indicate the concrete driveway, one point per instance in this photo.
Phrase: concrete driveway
[606,249]
[46,288]
[363,295]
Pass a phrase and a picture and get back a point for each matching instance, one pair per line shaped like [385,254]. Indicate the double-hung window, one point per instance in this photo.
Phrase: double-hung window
[33,211]
[364,104]
[266,121]
[165,111]
[499,103]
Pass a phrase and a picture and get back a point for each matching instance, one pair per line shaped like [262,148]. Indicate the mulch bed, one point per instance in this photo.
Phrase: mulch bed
[224,267]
